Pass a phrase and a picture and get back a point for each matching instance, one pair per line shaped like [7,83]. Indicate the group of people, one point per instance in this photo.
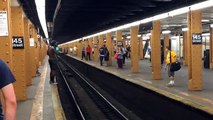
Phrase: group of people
[86,52]
[121,54]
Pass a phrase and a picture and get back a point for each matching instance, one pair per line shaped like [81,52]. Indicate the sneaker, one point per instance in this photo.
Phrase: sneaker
[170,84]
[55,83]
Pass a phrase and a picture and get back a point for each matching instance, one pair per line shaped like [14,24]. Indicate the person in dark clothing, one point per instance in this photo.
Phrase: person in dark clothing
[83,53]
[102,53]
[51,52]
[6,85]
[88,50]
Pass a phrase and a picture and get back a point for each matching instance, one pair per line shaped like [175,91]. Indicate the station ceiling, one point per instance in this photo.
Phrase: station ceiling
[72,19]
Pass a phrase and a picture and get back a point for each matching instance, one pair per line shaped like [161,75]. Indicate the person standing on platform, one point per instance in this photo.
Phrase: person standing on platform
[6,85]
[102,52]
[83,53]
[88,50]
[120,58]
[51,52]
[170,58]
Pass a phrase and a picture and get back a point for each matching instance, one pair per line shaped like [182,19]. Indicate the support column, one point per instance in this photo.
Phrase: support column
[195,82]
[96,50]
[156,51]
[211,48]
[166,43]
[140,50]
[19,64]
[119,36]
[32,52]
[185,57]
[109,47]
[27,50]
[101,41]
[5,40]
[91,45]
[80,46]
[134,49]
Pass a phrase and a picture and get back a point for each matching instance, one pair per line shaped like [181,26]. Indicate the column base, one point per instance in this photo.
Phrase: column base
[195,86]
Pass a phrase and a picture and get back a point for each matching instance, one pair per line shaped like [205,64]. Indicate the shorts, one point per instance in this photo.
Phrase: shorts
[170,73]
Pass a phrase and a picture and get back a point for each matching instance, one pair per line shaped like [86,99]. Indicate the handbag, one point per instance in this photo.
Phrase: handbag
[116,56]
[174,66]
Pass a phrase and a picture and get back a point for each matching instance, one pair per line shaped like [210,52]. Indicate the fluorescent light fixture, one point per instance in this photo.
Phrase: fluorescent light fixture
[206,34]
[40,6]
[146,20]
[166,32]
[179,11]
[211,25]
[202,5]
[205,19]
[185,29]
[161,16]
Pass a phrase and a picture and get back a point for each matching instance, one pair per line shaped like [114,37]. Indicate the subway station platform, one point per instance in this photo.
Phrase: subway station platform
[199,99]
[43,101]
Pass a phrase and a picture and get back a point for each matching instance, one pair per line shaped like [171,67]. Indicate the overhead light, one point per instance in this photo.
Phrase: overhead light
[202,5]
[206,34]
[179,11]
[146,20]
[185,29]
[205,19]
[161,16]
[211,25]
[40,6]
[166,32]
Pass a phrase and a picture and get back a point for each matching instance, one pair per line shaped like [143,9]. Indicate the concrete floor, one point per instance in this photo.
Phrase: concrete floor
[200,99]
[24,109]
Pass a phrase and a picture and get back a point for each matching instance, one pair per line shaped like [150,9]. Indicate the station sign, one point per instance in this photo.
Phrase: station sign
[197,38]
[119,43]
[18,42]
[95,45]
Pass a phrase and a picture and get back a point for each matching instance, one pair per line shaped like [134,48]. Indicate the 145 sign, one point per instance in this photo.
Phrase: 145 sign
[18,42]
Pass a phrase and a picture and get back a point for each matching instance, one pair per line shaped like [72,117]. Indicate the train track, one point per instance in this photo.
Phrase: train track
[88,101]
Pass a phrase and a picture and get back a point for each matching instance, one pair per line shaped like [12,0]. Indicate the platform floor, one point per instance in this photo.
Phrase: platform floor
[43,102]
[199,99]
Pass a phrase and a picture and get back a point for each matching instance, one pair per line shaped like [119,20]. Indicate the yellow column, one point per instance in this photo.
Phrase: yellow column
[96,50]
[32,51]
[80,46]
[134,49]
[185,57]
[91,45]
[19,54]
[166,43]
[5,40]
[140,50]
[27,50]
[101,40]
[119,37]
[211,48]
[195,83]
[156,51]
[109,47]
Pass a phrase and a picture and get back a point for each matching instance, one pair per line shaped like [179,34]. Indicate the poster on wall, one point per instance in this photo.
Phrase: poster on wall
[3,23]
[32,43]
